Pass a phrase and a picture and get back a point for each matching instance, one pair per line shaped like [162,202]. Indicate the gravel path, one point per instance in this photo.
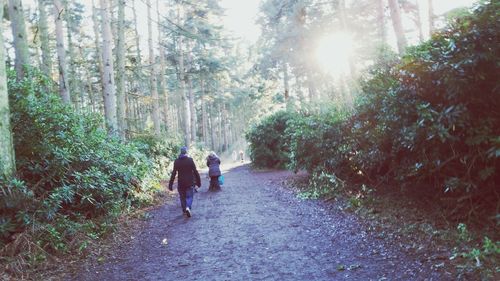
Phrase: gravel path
[255,229]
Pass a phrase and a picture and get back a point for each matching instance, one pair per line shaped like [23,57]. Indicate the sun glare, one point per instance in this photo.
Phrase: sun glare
[333,52]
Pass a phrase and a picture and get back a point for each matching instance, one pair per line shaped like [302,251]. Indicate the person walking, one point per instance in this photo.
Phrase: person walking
[213,163]
[241,156]
[188,177]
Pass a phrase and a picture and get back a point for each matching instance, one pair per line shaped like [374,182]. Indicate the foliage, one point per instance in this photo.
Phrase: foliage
[269,146]
[314,139]
[428,119]
[72,177]
[322,184]
[476,255]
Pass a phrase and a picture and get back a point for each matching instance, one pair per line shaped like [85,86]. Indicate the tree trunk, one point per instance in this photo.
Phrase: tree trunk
[153,77]
[44,39]
[310,86]
[381,21]
[204,128]
[138,56]
[398,25]
[98,49]
[431,17]
[220,139]
[7,158]
[139,81]
[161,73]
[192,109]
[120,71]
[61,52]
[74,84]
[19,35]
[418,22]
[108,78]
[211,127]
[225,127]
[182,89]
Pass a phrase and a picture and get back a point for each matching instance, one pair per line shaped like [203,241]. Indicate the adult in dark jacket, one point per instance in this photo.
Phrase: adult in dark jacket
[188,177]
[213,163]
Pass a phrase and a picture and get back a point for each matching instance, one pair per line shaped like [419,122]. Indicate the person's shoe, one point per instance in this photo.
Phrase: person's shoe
[188,212]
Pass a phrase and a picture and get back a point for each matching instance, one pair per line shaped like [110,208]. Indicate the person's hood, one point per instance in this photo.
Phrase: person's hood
[211,157]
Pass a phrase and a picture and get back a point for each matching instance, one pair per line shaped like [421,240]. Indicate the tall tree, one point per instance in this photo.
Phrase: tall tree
[153,76]
[418,22]
[72,16]
[44,38]
[7,159]
[382,35]
[108,81]
[182,86]
[120,71]
[398,25]
[61,52]
[190,93]
[161,73]
[431,16]
[18,25]
[97,42]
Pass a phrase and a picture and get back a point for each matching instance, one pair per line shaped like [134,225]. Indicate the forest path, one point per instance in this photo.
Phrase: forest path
[256,229]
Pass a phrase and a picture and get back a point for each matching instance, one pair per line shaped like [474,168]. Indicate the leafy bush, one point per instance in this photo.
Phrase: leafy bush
[269,146]
[436,121]
[317,141]
[69,170]
[428,119]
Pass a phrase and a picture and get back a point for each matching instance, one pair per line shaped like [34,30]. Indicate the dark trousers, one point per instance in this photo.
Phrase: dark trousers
[186,196]
[214,184]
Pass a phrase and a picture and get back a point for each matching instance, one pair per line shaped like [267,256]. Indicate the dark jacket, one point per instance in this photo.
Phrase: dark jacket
[188,175]
[213,164]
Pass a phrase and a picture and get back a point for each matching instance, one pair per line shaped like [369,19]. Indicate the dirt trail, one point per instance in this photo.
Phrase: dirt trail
[255,229]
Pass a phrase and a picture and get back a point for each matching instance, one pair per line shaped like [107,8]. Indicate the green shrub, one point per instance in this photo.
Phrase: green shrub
[435,121]
[269,146]
[69,169]
[317,141]
[428,119]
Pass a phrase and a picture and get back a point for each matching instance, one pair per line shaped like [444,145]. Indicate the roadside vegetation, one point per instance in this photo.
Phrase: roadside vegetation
[426,123]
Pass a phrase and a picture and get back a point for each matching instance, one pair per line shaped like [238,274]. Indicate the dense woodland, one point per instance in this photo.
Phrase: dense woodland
[96,97]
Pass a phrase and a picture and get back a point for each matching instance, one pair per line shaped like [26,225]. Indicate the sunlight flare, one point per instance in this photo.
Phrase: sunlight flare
[333,52]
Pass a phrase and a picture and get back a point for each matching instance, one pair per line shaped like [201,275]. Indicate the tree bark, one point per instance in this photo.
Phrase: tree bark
[182,90]
[7,157]
[19,35]
[44,39]
[120,71]
[204,127]
[220,143]
[161,73]
[61,53]
[192,109]
[431,17]
[153,77]
[74,84]
[211,127]
[418,22]
[398,25]
[286,85]
[381,21]
[98,48]
[225,127]
[108,82]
